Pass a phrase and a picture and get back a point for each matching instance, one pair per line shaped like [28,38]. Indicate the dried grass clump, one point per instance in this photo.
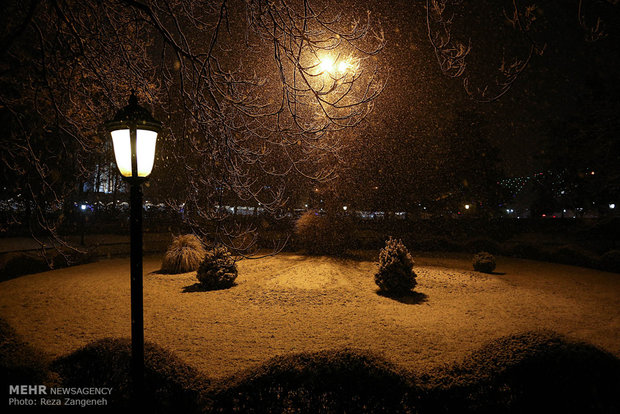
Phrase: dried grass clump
[185,254]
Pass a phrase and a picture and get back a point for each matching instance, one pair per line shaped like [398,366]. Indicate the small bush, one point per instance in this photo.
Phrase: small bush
[218,269]
[323,234]
[170,384]
[484,262]
[184,255]
[395,275]
[610,261]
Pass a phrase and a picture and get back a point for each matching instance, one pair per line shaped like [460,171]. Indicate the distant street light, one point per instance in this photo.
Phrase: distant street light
[612,206]
[466,206]
[336,69]
[134,133]
[327,64]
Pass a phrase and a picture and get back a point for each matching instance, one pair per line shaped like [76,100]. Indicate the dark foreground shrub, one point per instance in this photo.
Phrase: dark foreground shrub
[395,275]
[484,262]
[323,234]
[14,264]
[20,363]
[218,270]
[532,372]
[343,381]
[171,386]
[20,263]
[184,254]
[610,261]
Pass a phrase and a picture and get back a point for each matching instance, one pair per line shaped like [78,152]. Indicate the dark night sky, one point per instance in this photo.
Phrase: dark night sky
[561,82]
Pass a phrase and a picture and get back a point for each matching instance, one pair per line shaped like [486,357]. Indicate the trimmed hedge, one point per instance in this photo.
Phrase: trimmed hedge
[531,372]
[328,382]
[15,264]
[170,384]
[20,363]
[537,371]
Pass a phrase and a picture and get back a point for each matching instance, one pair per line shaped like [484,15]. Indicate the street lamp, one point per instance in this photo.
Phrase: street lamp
[336,69]
[134,133]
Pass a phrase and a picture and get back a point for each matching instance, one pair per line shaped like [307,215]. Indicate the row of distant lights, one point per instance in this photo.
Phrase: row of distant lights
[467,207]
[612,206]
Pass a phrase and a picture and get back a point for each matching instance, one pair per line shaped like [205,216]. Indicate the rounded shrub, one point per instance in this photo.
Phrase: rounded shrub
[15,264]
[536,371]
[20,362]
[218,269]
[185,254]
[170,385]
[395,275]
[610,261]
[330,381]
[484,262]
[323,234]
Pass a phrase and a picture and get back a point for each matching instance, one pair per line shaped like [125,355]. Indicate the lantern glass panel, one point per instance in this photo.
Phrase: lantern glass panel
[145,151]
[145,147]
[122,151]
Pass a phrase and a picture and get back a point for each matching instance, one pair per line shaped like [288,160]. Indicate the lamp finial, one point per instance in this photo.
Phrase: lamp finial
[133,99]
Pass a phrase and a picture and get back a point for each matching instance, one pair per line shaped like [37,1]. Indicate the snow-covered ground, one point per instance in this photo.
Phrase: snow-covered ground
[292,303]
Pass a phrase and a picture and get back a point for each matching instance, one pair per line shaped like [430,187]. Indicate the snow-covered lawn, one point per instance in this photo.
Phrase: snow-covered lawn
[292,303]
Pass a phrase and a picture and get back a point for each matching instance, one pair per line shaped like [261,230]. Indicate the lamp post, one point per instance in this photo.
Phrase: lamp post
[134,134]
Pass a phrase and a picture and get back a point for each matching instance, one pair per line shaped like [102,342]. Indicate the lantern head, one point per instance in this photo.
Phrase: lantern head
[134,136]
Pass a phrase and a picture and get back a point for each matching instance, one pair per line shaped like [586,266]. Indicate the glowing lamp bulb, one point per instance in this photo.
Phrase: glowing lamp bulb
[326,65]
[466,206]
[612,206]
